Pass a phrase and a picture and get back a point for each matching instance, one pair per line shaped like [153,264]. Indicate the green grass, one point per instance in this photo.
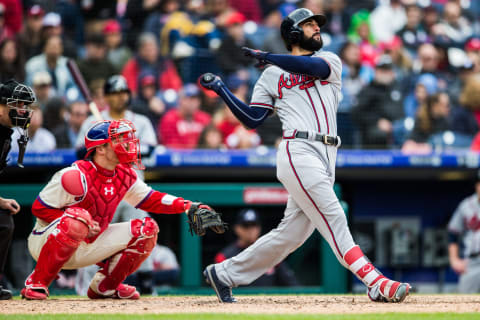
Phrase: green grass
[219,316]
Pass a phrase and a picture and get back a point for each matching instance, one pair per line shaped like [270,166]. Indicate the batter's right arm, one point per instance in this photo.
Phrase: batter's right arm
[251,117]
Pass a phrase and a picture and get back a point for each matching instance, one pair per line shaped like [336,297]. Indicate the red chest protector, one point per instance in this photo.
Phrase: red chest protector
[104,192]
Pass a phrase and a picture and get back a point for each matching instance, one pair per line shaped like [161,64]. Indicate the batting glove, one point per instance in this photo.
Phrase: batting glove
[210,81]
[257,54]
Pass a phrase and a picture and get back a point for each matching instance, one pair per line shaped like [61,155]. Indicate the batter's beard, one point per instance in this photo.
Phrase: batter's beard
[311,44]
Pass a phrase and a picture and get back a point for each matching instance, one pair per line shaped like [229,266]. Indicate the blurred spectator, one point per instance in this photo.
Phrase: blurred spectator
[250,9]
[273,41]
[402,63]
[12,62]
[5,32]
[360,33]
[175,22]
[230,57]
[379,106]
[234,134]
[338,18]
[54,114]
[117,53]
[316,6]
[453,29]
[387,19]
[463,247]
[53,62]
[181,127]
[52,26]
[73,21]
[40,139]
[96,89]
[12,13]
[118,97]
[472,49]
[430,20]
[413,34]
[66,134]
[42,86]
[355,76]
[432,119]
[30,36]
[136,15]
[95,64]
[248,229]
[426,86]
[148,102]
[211,138]
[219,11]
[148,58]
[470,96]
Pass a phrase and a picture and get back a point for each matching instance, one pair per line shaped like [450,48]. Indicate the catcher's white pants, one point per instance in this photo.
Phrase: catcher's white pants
[307,172]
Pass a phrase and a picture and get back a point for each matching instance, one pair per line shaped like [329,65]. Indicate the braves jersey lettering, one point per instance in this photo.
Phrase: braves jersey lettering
[292,80]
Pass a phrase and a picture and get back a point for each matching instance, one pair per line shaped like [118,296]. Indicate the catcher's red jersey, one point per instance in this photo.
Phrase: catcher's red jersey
[99,191]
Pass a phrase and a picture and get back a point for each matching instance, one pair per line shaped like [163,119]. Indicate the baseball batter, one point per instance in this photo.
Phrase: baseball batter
[464,228]
[304,89]
[75,208]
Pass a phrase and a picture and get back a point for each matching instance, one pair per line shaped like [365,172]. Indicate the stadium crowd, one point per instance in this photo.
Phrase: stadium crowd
[411,69]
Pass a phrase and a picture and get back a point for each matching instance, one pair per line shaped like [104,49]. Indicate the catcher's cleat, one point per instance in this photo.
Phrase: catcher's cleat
[224,292]
[38,292]
[5,294]
[386,290]
[123,291]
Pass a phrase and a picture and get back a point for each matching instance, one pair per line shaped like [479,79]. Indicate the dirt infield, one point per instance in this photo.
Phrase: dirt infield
[246,304]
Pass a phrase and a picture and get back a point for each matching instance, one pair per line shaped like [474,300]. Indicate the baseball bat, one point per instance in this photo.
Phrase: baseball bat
[80,81]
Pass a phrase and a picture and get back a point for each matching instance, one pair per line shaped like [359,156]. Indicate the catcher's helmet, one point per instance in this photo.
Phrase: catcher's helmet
[115,84]
[120,134]
[290,30]
[17,97]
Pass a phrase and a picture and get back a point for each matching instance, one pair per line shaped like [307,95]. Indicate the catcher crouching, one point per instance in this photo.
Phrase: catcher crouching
[75,208]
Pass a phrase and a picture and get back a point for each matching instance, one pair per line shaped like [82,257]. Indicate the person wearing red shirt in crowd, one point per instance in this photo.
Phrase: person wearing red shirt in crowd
[181,127]
[148,57]
[13,15]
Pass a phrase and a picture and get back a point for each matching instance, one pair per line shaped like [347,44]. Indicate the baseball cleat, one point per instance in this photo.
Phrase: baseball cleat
[224,292]
[386,290]
[123,291]
[38,293]
[5,294]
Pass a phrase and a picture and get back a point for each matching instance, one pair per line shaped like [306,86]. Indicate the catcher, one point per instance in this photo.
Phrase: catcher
[75,208]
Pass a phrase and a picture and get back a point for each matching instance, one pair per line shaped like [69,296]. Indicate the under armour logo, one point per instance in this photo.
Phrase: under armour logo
[108,191]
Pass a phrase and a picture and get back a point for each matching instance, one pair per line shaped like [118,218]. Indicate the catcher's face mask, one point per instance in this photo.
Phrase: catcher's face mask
[124,143]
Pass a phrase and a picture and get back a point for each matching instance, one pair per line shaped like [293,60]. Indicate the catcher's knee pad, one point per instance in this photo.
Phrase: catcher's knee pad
[74,225]
[60,246]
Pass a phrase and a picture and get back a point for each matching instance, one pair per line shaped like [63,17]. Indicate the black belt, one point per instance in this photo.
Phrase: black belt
[326,139]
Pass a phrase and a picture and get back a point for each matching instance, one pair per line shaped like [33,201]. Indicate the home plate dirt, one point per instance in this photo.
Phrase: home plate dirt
[246,304]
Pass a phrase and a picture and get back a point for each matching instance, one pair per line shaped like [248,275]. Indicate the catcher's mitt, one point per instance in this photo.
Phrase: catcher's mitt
[201,217]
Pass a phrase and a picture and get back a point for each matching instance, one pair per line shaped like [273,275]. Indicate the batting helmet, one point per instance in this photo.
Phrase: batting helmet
[120,134]
[290,30]
[116,84]
[17,97]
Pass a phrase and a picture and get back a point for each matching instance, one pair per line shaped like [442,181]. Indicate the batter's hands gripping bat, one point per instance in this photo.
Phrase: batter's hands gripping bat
[80,82]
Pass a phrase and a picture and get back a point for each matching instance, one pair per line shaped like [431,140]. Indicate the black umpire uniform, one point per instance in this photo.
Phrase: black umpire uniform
[16,97]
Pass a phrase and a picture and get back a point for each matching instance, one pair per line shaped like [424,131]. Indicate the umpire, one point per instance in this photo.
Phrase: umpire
[14,112]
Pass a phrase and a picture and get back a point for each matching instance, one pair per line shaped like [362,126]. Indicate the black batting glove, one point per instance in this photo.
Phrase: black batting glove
[257,54]
[210,81]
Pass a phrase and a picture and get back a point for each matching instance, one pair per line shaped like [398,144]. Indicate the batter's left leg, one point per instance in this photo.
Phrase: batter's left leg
[306,179]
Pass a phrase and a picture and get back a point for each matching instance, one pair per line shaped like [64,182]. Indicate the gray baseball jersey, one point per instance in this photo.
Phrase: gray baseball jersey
[306,168]
[466,223]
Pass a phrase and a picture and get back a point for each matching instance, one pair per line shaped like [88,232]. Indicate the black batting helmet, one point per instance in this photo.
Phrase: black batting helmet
[116,84]
[290,30]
